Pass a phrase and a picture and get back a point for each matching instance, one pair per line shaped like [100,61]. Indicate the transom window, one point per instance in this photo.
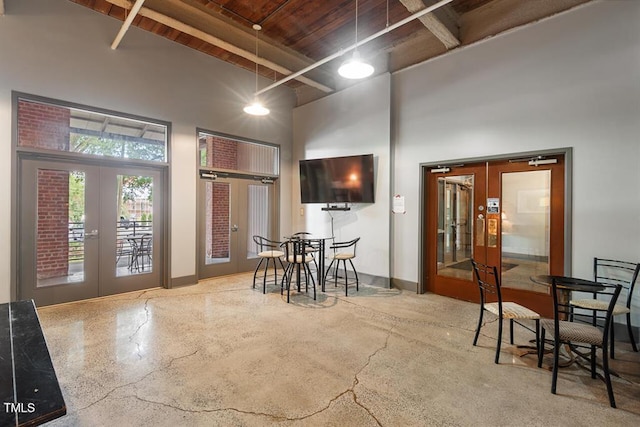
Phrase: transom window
[61,128]
[222,152]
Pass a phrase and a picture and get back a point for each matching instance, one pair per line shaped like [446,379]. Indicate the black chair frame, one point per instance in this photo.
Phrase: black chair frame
[140,248]
[602,273]
[335,248]
[489,284]
[267,245]
[561,311]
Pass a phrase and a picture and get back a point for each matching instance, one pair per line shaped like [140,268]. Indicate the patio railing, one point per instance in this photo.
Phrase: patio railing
[124,228]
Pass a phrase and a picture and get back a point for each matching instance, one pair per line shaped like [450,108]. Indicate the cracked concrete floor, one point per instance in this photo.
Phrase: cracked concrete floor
[222,353]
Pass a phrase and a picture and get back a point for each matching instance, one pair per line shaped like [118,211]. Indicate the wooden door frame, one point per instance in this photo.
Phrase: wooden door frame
[567,152]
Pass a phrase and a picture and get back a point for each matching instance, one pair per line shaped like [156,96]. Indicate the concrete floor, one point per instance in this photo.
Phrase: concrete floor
[222,353]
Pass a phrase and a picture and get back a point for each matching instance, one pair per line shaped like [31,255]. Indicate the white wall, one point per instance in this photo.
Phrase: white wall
[569,81]
[353,121]
[58,49]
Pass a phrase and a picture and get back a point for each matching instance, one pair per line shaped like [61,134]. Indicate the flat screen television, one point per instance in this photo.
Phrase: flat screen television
[346,179]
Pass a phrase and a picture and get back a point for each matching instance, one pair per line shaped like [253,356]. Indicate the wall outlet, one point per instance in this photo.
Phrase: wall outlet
[301,211]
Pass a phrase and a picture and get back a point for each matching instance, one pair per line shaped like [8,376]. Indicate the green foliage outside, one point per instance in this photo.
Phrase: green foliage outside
[130,187]
[76,196]
[122,148]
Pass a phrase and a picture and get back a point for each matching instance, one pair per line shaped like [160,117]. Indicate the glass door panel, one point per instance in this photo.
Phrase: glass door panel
[259,220]
[219,226]
[58,234]
[134,227]
[131,248]
[217,222]
[455,204]
[60,214]
[525,225]
[455,225]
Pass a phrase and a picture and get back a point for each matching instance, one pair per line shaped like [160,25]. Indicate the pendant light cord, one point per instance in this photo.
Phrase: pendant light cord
[255,27]
[356,25]
[387,26]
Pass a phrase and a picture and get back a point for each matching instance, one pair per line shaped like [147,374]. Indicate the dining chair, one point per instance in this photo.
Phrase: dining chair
[134,241]
[298,259]
[579,335]
[490,288]
[612,272]
[122,250]
[268,251]
[343,251]
[145,250]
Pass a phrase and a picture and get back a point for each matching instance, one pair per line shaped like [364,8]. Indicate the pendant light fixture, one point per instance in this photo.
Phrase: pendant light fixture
[355,67]
[255,108]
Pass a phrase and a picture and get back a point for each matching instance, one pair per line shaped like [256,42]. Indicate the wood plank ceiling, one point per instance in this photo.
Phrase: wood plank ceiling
[298,33]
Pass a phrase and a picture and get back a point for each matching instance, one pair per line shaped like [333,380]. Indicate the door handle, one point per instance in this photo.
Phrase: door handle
[93,234]
[234,227]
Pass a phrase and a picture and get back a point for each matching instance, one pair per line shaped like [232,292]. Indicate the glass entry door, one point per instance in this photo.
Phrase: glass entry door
[232,211]
[504,213]
[454,196]
[87,231]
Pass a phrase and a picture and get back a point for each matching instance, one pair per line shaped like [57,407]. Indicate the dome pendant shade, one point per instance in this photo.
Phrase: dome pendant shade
[355,68]
[256,109]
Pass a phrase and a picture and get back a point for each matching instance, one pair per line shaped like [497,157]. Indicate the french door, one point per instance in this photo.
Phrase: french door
[507,213]
[87,231]
[232,211]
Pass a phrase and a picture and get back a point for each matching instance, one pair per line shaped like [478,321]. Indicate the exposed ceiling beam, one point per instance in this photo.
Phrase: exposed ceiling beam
[127,23]
[446,33]
[206,37]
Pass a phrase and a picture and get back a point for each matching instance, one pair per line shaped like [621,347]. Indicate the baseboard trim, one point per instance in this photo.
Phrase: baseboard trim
[378,281]
[405,285]
[183,281]
[621,333]
[369,279]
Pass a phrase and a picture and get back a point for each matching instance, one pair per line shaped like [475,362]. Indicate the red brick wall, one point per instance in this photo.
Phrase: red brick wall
[43,126]
[53,223]
[222,153]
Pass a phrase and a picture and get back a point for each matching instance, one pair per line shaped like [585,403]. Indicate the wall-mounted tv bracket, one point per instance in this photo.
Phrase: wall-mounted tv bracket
[335,207]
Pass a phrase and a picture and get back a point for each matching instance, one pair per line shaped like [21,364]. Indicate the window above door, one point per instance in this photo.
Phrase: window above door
[49,125]
[233,154]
